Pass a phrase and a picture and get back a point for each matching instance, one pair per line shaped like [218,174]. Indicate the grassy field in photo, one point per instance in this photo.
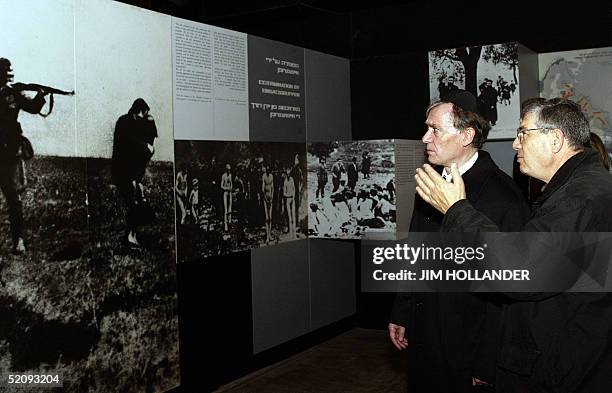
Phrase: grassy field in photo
[78,301]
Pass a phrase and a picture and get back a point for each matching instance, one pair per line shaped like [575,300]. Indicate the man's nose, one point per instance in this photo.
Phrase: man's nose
[516,144]
[428,137]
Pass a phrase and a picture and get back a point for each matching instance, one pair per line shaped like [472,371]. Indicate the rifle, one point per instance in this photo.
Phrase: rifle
[44,90]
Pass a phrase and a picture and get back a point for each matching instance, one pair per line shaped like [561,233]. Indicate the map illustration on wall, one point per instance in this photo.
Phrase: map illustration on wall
[584,76]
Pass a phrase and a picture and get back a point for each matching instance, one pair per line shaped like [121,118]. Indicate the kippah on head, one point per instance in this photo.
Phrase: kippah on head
[462,99]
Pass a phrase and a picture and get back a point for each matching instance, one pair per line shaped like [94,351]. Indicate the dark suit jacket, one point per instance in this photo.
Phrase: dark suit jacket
[557,342]
[453,337]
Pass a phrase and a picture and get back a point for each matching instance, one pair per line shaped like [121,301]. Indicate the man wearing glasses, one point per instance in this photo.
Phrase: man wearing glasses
[451,338]
[550,342]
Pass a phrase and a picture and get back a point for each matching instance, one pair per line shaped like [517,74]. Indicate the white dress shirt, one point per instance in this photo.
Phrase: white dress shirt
[462,169]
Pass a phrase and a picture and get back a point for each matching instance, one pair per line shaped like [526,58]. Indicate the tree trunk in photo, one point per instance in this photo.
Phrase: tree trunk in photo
[469,58]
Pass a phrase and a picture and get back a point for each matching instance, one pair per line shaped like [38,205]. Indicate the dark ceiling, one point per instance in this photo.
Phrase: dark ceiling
[361,29]
[388,41]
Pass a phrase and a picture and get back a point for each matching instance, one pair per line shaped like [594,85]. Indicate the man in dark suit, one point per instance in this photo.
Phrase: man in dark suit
[451,338]
[552,341]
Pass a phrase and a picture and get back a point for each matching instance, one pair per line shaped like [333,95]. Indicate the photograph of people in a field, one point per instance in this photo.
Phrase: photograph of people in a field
[87,248]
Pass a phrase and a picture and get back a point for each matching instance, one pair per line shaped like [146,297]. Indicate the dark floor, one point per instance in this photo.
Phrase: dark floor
[358,361]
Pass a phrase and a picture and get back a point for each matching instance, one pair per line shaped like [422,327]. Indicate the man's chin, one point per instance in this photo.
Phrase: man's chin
[431,159]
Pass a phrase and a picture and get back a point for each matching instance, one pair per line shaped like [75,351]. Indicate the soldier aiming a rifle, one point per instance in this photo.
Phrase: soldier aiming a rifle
[14,147]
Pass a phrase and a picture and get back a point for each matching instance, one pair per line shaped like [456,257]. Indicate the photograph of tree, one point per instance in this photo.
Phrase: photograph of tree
[489,72]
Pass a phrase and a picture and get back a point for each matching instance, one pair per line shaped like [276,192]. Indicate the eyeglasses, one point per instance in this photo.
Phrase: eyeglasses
[521,132]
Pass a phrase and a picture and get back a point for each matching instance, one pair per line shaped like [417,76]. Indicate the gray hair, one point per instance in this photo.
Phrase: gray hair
[563,114]
[463,119]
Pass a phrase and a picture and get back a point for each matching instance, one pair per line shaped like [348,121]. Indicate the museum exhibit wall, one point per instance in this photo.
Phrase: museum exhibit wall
[105,313]
[79,302]
[390,93]
[221,102]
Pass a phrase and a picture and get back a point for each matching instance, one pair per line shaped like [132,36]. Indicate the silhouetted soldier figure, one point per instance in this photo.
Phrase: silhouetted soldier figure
[366,163]
[352,174]
[488,101]
[500,83]
[505,94]
[337,171]
[445,86]
[321,178]
[133,147]
[11,102]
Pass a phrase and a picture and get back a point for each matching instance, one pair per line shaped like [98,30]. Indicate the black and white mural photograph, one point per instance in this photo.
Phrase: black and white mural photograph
[234,196]
[351,188]
[489,72]
[578,75]
[87,248]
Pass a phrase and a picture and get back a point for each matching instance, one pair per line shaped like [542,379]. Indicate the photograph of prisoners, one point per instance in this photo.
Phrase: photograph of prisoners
[351,188]
[489,72]
[87,245]
[234,196]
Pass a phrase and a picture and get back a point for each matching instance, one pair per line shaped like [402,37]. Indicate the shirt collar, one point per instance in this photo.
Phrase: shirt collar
[462,169]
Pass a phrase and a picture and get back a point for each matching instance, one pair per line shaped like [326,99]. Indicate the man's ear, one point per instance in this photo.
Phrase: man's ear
[467,136]
[557,140]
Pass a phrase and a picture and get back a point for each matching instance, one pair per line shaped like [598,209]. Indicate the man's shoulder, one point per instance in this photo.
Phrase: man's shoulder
[502,186]
[491,185]
[486,173]
[592,184]
[502,202]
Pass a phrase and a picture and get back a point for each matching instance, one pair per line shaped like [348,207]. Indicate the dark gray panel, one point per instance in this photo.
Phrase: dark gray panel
[387,101]
[502,153]
[528,73]
[276,91]
[332,272]
[281,306]
[328,97]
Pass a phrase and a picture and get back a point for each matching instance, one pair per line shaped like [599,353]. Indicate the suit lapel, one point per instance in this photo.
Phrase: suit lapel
[478,175]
